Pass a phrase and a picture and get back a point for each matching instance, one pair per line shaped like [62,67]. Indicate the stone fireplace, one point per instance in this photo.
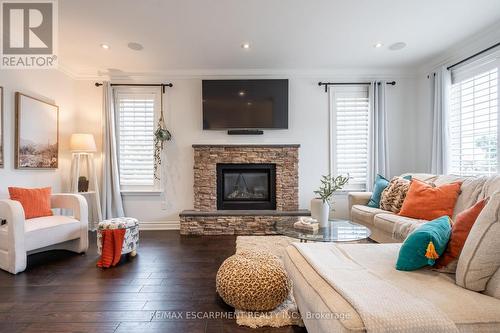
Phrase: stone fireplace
[242,189]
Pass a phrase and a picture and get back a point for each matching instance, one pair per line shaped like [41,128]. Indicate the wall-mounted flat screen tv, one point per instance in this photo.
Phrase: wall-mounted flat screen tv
[245,104]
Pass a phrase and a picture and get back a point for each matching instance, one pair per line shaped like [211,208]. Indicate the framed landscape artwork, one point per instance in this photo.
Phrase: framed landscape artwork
[37,133]
[2,162]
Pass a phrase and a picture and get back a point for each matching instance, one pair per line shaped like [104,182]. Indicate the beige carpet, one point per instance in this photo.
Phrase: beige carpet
[287,313]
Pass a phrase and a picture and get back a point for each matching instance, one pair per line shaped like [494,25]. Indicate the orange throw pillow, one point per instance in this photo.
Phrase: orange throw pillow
[426,202]
[459,232]
[35,201]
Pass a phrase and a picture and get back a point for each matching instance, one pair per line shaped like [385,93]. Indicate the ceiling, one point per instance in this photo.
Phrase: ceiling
[284,34]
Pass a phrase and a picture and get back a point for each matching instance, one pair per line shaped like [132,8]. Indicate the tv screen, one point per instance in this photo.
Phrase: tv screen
[245,104]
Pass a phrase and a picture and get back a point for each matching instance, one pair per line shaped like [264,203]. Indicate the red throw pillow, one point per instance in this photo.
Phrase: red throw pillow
[427,202]
[35,201]
[459,232]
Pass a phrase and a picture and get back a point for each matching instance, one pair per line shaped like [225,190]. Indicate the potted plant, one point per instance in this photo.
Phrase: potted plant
[320,206]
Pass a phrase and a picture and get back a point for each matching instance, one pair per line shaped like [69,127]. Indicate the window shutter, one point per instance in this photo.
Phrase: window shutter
[135,122]
[473,124]
[350,112]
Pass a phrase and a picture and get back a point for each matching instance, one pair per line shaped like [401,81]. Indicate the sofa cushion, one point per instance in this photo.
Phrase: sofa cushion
[438,201]
[397,226]
[48,230]
[471,192]
[423,246]
[493,286]
[364,214]
[480,257]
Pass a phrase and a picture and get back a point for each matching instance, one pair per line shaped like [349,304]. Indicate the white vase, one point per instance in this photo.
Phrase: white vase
[320,211]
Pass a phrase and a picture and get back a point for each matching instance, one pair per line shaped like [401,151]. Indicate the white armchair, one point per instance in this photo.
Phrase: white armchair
[20,237]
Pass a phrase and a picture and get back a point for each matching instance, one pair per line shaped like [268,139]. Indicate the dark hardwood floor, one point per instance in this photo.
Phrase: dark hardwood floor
[171,278]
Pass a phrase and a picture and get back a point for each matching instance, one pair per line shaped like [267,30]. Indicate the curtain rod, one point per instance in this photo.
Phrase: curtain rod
[473,56]
[162,85]
[326,84]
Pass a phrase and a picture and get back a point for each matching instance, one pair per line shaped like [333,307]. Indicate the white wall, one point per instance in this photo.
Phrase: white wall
[52,86]
[308,126]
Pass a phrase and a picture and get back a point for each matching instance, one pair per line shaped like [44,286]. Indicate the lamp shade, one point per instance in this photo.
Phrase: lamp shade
[82,143]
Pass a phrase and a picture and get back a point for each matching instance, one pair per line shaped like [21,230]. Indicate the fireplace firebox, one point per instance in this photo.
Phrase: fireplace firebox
[246,186]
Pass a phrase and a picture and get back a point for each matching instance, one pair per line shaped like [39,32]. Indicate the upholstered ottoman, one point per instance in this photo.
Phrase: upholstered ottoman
[253,281]
[131,237]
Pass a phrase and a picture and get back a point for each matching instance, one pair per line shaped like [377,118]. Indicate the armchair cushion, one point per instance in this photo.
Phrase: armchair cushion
[35,201]
[48,230]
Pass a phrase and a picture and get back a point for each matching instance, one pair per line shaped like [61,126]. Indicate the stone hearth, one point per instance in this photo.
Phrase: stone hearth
[205,219]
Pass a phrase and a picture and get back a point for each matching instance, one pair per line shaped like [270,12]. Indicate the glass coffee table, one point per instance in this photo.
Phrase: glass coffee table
[336,231]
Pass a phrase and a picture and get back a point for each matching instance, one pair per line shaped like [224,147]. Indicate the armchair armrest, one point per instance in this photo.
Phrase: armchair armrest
[75,202]
[358,198]
[13,212]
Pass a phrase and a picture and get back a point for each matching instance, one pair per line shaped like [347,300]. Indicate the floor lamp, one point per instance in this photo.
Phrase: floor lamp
[83,148]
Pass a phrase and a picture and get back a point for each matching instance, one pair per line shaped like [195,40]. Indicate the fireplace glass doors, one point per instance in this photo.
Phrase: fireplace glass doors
[246,186]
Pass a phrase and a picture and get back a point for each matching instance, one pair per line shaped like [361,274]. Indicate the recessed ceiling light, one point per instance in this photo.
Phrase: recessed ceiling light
[378,45]
[105,46]
[241,93]
[245,46]
[135,46]
[397,46]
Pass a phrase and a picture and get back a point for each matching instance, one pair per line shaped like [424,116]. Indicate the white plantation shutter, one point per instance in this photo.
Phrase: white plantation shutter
[473,122]
[136,122]
[349,114]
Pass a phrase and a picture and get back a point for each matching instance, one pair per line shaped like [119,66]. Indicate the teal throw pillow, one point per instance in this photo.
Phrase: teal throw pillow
[379,185]
[424,245]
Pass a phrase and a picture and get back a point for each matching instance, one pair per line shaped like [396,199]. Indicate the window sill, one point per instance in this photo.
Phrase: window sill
[141,192]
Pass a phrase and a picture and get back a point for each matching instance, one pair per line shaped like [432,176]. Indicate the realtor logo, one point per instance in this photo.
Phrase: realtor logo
[29,34]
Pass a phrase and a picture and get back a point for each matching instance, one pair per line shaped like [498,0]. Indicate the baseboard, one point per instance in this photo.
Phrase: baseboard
[160,225]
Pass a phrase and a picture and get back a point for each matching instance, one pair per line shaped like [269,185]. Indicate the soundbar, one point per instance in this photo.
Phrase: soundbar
[245,132]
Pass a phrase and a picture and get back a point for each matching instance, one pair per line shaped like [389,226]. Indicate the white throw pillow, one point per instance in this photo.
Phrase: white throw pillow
[480,257]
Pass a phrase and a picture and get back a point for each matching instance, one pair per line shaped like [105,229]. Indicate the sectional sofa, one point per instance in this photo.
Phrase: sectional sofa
[355,287]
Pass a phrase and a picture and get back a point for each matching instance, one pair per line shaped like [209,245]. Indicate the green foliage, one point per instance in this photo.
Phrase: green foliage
[161,134]
[329,185]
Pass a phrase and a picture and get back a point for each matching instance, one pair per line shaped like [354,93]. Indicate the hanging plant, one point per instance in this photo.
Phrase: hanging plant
[161,134]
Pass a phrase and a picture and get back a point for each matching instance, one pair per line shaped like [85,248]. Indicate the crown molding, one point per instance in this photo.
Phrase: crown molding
[463,49]
[338,74]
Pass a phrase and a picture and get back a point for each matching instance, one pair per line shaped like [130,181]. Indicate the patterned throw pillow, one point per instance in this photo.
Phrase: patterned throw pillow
[394,194]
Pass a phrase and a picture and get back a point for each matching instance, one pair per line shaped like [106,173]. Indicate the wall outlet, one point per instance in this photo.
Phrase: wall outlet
[3,221]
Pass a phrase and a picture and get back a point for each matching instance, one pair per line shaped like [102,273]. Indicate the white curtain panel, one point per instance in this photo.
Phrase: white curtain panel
[111,199]
[440,98]
[378,152]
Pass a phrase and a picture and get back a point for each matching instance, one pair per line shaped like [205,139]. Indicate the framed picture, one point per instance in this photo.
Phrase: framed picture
[37,133]
[2,162]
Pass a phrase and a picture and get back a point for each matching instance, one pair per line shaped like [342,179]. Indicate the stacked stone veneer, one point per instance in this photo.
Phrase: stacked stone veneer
[231,225]
[206,157]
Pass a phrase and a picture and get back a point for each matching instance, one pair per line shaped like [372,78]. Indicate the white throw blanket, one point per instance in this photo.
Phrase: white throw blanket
[382,306]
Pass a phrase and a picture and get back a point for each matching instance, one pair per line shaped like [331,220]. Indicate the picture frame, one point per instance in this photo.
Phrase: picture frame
[2,159]
[37,133]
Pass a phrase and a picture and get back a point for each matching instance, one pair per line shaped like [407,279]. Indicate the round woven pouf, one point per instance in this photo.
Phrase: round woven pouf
[253,281]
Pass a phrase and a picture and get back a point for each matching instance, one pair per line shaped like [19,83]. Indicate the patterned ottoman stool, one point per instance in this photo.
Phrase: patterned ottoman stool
[131,238]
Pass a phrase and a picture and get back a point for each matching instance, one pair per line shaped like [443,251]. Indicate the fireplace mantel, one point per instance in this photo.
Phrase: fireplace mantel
[246,146]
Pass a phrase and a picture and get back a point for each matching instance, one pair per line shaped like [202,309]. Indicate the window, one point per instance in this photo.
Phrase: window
[137,112]
[349,107]
[473,121]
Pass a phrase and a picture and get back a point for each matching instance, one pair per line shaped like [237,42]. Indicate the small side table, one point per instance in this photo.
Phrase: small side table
[94,210]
